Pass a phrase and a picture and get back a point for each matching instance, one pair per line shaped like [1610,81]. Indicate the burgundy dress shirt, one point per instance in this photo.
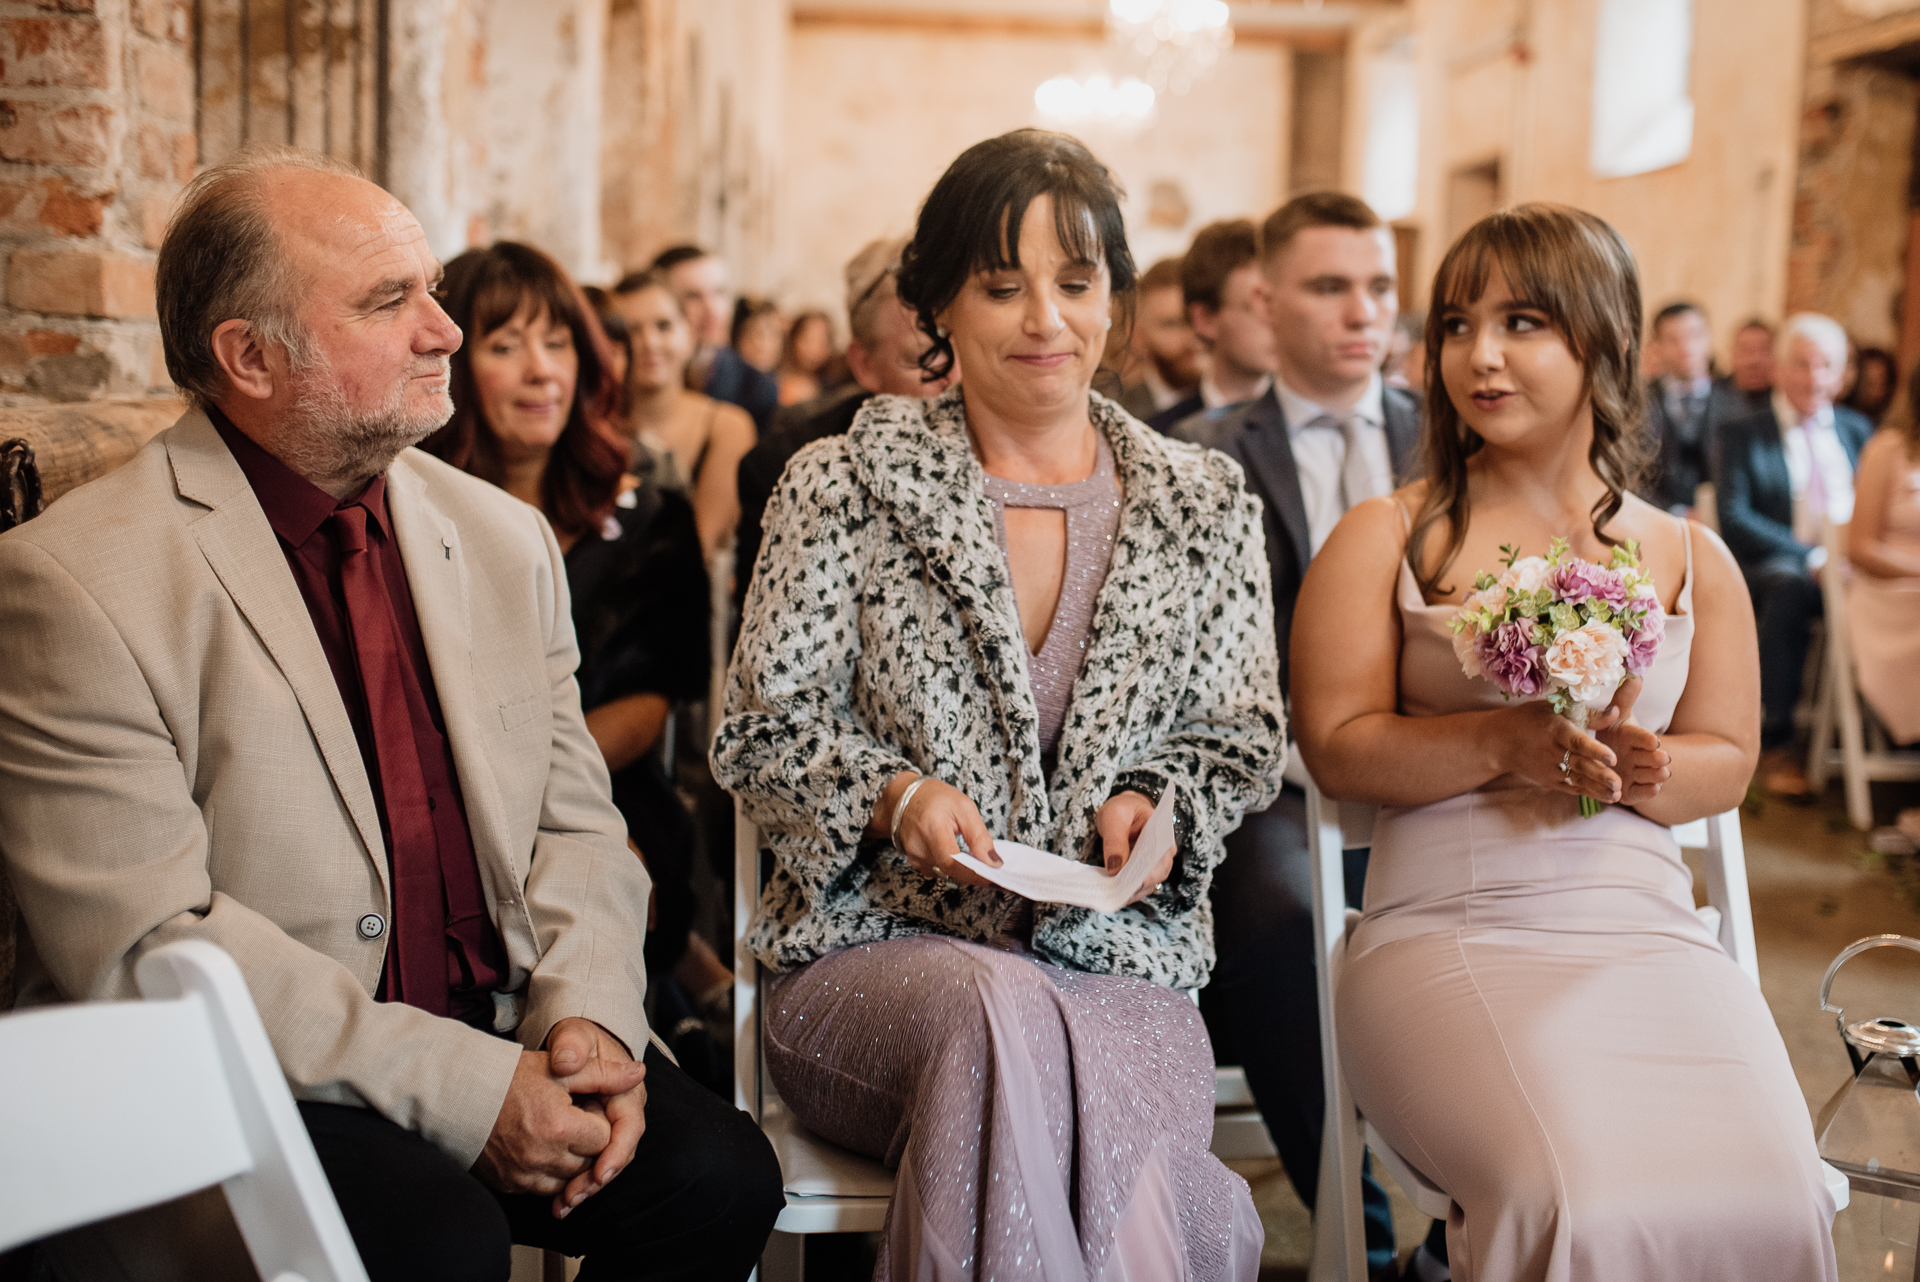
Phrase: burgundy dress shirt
[299,512]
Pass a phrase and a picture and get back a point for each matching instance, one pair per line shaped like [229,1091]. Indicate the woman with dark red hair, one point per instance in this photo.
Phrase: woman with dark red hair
[535,396]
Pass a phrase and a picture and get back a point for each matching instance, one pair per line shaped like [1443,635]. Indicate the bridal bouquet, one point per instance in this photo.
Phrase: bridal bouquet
[1561,627]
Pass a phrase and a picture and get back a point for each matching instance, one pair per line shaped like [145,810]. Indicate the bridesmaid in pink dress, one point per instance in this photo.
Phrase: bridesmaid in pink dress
[1531,1013]
[1883,601]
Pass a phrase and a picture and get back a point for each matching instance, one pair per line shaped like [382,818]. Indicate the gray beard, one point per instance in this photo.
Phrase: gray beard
[327,439]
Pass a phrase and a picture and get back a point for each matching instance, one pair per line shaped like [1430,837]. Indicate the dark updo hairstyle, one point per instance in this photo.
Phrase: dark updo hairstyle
[971,223]
[1576,269]
[483,290]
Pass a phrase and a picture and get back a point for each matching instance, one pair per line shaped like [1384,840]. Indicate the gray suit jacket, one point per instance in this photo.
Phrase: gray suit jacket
[1255,436]
[176,763]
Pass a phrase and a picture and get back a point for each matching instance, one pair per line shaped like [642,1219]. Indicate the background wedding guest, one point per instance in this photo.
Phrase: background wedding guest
[1221,285]
[1875,383]
[1010,610]
[1785,474]
[758,333]
[1750,364]
[807,360]
[620,347]
[533,397]
[694,442]
[1883,599]
[883,356]
[1686,408]
[1326,435]
[699,280]
[1163,357]
[288,686]
[1499,918]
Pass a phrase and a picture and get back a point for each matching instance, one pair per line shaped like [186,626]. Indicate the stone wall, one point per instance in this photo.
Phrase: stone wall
[96,138]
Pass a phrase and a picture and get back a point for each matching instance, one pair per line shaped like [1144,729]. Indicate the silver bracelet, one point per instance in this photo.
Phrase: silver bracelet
[900,811]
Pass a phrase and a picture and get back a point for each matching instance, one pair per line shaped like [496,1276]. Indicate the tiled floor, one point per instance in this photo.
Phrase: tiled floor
[1811,898]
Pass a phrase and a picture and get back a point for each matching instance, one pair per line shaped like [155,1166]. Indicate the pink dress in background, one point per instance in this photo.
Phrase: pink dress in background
[1532,1015]
[1883,616]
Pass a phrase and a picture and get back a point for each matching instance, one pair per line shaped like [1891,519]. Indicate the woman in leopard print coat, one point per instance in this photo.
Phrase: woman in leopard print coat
[927,656]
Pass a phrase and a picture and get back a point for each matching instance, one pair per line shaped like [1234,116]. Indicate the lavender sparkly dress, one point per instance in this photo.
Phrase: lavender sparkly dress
[1045,1123]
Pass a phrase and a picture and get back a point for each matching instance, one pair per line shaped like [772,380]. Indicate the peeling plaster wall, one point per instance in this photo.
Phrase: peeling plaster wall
[873,116]
[496,123]
[1850,226]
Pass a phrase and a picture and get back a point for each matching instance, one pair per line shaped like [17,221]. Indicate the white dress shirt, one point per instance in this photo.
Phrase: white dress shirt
[1819,469]
[1320,452]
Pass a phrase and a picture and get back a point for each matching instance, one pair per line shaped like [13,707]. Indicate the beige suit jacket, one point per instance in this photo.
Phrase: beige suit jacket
[176,763]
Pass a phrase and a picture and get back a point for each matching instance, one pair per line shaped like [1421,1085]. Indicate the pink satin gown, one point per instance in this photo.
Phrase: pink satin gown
[1532,1015]
[1884,616]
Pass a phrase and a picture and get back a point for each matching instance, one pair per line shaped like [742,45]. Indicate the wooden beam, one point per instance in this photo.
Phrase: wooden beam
[1868,38]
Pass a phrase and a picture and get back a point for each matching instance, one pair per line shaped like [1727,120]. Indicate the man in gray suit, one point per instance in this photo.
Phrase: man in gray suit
[1686,407]
[1326,435]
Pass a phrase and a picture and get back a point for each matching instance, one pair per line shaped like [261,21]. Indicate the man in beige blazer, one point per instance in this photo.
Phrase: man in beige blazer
[190,749]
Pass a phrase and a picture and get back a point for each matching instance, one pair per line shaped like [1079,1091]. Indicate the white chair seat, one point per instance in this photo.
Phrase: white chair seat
[813,1167]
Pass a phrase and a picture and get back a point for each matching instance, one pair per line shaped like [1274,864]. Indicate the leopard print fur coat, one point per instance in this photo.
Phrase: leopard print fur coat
[881,635]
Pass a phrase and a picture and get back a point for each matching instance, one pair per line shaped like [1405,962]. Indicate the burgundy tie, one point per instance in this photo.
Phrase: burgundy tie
[417,956]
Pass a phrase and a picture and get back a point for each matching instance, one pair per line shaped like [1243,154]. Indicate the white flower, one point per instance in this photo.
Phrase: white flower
[1528,574]
[1590,661]
[1493,600]
[1466,648]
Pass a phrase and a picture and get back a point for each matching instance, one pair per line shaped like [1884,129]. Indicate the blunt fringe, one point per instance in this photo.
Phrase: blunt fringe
[221,259]
[484,289]
[971,223]
[1575,268]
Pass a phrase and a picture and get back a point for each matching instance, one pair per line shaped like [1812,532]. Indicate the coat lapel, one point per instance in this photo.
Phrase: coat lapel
[915,460]
[245,556]
[1267,451]
[1402,411]
[431,550]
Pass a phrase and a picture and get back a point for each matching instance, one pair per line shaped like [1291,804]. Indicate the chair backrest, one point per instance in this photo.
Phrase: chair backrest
[107,1107]
[746,967]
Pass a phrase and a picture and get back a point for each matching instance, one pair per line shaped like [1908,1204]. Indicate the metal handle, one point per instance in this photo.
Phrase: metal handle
[1853,950]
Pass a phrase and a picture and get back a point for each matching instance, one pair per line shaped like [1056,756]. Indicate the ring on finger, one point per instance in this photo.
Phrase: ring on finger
[1566,773]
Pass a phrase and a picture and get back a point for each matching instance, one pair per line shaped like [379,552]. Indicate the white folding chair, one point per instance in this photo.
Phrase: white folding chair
[1339,1244]
[829,1190]
[1846,735]
[107,1107]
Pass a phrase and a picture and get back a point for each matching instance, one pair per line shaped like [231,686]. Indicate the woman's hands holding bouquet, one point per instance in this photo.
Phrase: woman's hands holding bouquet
[1620,762]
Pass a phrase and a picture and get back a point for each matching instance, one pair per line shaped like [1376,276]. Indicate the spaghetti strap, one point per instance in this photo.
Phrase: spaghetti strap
[1406,517]
[1683,603]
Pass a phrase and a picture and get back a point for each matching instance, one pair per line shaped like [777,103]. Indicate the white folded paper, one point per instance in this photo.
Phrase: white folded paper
[1049,879]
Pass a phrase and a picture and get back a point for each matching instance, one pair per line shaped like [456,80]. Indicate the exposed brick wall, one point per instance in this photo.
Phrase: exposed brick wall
[96,139]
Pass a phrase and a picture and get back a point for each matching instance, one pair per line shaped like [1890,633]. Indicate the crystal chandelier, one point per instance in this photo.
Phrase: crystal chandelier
[1172,44]
[1066,103]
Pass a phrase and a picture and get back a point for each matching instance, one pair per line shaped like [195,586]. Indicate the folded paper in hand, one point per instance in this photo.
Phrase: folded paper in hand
[1049,879]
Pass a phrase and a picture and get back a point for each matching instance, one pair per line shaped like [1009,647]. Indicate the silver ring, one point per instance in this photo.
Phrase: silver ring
[1566,775]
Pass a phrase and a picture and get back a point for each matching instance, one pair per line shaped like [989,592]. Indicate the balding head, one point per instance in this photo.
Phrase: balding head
[297,297]
[223,259]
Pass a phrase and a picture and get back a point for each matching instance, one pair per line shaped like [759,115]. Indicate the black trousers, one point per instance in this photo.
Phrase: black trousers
[1262,1005]
[1785,604]
[697,1202]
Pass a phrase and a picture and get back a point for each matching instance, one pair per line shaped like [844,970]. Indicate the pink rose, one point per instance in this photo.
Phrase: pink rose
[1577,582]
[1590,661]
[1643,638]
[1466,648]
[1512,659]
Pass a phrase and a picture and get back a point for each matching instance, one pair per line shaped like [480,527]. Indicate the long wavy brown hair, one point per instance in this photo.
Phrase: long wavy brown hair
[1576,269]
[483,290]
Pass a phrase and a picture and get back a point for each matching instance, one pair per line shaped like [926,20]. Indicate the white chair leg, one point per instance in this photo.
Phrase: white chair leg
[1339,1228]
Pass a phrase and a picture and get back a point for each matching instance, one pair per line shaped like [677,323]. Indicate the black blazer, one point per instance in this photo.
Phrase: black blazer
[1255,436]
[794,428]
[1679,467]
[1166,419]
[734,381]
[1755,490]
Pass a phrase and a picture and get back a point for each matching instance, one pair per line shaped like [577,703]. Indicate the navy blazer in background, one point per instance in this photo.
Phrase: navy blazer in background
[1755,490]
[1676,470]
[1167,419]
[1254,434]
